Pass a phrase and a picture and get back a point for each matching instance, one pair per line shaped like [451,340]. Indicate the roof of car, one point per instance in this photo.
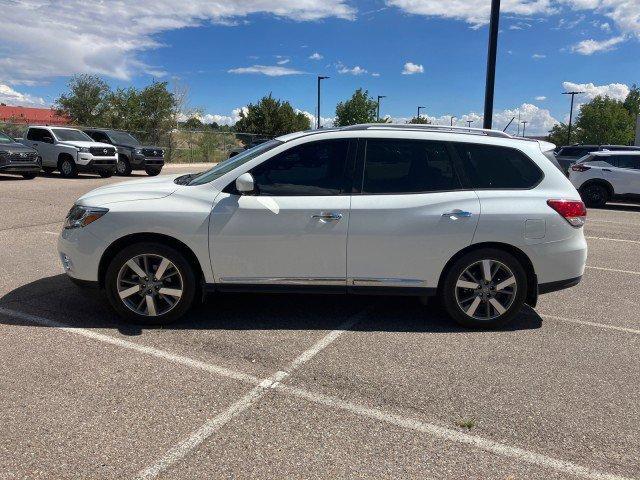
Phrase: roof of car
[608,153]
[481,132]
[54,126]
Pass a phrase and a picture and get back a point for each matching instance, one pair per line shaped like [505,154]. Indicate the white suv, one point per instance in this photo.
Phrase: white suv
[601,176]
[70,151]
[482,219]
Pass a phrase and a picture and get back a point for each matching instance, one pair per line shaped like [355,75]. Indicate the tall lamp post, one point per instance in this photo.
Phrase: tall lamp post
[491,63]
[524,127]
[420,108]
[320,78]
[469,122]
[379,98]
[573,96]
[452,118]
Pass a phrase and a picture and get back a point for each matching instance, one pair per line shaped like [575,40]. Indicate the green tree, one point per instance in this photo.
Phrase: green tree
[124,110]
[360,108]
[604,120]
[632,103]
[420,121]
[560,132]
[157,111]
[193,123]
[87,100]
[271,117]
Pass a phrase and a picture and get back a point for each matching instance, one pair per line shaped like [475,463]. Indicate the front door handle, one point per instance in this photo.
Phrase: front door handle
[328,216]
[606,170]
[457,214]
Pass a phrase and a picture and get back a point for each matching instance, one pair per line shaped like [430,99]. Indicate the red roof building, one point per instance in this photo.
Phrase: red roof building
[31,116]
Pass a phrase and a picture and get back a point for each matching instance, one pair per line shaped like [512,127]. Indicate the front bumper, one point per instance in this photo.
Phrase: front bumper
[80,252]
[141,161]
[19,168]
[89,163]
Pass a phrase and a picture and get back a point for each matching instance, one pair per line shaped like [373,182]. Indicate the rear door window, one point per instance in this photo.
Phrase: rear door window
[495,167]
[37,134]
[408,166]
[628,161]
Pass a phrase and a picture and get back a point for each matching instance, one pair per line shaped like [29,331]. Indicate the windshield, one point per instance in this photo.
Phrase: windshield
[71,135]
[123,138]
[233,163]
[6,139]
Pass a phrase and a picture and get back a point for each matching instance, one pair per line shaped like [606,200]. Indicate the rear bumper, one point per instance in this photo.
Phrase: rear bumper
[558,285]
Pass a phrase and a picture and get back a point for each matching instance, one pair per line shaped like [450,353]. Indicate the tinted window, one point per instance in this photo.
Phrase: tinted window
[628,161]
[37,134]
[494,167]
[315,168]
[71,135]
[97,136]
[406,166]
[6,138]
[575,151]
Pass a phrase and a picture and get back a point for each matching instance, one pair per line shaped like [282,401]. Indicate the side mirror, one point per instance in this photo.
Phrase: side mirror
[47,139]
[245,184]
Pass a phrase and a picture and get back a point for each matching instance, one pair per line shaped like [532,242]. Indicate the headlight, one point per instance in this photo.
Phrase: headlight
[83,149]
[80,216]
[138,151]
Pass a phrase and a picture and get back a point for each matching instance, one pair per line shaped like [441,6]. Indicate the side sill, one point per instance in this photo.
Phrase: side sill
[321,289]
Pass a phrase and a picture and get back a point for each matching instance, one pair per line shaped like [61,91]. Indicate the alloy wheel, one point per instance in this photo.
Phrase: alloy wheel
[150,285]
[121,167]
[486,289]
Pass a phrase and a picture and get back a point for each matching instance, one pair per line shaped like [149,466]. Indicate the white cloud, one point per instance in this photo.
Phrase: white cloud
[47,38]
[541,98]
[375,74]
[625,14]
[214,117]
[12,97]
[357,70]
[325,122]
[412,68]
[538,56]
[284,61]
[590,46]
[617,91]
[268,70]
[316,56]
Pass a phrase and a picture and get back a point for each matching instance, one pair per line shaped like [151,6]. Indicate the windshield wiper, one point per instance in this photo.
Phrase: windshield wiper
[184,179]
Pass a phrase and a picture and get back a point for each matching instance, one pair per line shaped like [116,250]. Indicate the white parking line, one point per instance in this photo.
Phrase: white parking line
[452,435]
[181,450]
[437,431]
[591,324]
[631,272]
[612,239]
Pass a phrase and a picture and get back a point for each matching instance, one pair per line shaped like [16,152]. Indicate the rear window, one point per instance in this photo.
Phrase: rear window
[493,167]
[576,152]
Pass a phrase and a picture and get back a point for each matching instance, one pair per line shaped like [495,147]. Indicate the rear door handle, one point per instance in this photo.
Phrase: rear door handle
[328,216]
[457,214]
[606,170]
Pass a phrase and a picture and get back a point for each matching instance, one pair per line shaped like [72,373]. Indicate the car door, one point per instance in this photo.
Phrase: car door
[409,215]
[35,139]
[293,229]
[627,174]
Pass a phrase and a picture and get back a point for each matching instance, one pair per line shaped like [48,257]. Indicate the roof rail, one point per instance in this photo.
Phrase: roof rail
[429,128]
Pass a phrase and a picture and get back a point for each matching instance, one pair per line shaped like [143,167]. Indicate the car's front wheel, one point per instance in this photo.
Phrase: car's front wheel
[29,176]
[485,288]
[123,167]
[67,168]
[150,283]
[152,172]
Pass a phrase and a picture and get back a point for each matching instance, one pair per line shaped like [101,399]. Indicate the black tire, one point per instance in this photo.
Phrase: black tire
[594,195]
[106,173]
[186,275]
[514,301]
[67,167]
[29,176]
[123,167]
[152,172]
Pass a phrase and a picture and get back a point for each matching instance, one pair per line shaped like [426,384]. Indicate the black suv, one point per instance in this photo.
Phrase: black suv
[569,155]
[18,159]
[131,154]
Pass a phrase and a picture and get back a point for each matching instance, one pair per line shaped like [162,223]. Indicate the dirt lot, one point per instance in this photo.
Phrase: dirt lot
[258,386]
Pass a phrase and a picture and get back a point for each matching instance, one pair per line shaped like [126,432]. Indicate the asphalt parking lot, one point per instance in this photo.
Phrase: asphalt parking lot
[259,386]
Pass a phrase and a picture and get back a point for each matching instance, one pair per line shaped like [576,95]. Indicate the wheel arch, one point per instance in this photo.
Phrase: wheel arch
[599,181]
[127,240]
[523,258]
[65,155]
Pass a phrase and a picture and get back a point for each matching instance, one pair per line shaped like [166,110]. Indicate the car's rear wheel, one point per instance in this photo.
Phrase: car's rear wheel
[48,170]
[67,168]
[150,283]
[123,167]
[594,195]
[152,172]
[29,176]
[106,173]
[485,288]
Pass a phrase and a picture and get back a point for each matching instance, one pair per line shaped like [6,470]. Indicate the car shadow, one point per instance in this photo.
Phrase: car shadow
[624,207]
[56,298]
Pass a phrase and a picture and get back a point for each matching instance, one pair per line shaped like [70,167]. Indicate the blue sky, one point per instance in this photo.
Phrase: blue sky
[228,56]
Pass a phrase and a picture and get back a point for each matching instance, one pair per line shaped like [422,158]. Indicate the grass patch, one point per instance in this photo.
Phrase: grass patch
[466,423]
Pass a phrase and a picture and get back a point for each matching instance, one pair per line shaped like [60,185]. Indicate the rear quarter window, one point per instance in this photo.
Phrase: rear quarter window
[495,167]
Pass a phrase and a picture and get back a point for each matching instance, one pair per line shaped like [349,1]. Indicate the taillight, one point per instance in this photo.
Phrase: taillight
[573,211]
[578,167]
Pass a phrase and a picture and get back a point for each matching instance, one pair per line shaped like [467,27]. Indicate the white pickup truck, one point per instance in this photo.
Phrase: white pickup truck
[70,151]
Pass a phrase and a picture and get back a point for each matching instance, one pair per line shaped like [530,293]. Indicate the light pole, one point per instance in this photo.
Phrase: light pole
[524,127]
[452,117]
[320,78]
[491,63]
[420,108]
[380,97]
[573,95]
[469,122]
